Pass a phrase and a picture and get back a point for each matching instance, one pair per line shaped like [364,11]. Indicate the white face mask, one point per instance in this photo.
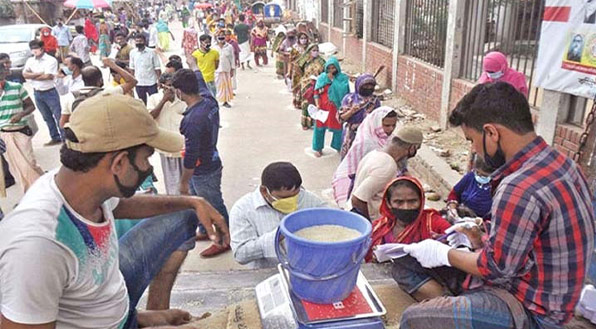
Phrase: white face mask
[495,75]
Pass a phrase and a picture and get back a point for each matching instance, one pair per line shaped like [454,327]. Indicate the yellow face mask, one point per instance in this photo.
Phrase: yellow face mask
[285,205]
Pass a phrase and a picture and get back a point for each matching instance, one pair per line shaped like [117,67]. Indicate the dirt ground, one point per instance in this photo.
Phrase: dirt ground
[449,144]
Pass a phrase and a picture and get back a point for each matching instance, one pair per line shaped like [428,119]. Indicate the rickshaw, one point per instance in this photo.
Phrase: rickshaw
[258,8]
[272,13]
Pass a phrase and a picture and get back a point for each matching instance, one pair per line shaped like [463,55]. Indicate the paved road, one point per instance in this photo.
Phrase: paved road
[260,128]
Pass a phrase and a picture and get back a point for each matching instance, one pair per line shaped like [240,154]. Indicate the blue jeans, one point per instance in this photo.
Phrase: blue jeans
[212,88]
[208,186]
[144,91]
[146,247]
[48,103]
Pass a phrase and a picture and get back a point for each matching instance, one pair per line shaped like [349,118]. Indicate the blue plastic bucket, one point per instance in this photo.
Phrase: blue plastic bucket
[322,272]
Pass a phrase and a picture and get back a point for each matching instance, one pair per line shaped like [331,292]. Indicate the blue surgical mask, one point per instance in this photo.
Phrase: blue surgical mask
[67,71]
[495,75]
[482,180]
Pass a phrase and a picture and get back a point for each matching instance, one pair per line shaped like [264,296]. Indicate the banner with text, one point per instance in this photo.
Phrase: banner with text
[567,50]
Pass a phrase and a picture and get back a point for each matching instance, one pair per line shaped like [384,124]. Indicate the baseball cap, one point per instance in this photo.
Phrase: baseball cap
[409,135]
[108,123]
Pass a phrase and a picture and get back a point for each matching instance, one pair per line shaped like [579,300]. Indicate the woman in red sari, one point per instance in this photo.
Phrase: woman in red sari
[404,220]
[91,34]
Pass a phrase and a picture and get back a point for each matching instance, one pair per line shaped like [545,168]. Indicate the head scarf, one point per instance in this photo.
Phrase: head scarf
[340,85]
[354,98]
[305,57]
[370,136]
[429,221]
[49,42]
[497,62]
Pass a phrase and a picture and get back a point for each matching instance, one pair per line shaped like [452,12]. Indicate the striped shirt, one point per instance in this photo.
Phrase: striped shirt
[542,232]
[253,223]
[11,103]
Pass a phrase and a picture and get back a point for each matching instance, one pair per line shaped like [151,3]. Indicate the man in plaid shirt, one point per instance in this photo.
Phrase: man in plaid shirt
[534,260]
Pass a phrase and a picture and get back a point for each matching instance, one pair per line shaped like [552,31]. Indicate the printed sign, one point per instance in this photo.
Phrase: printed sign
[567,54]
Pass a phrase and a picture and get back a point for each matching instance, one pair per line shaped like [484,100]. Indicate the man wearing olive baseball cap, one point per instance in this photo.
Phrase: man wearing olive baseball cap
[61,264]
[378,168]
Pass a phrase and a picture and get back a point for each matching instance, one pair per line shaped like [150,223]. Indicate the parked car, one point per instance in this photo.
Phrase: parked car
[14,39]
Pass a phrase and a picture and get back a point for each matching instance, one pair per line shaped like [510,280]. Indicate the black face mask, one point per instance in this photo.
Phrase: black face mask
[207,47]
[366,92]
[498,159]
[129,191]
[406,216]
[140,46]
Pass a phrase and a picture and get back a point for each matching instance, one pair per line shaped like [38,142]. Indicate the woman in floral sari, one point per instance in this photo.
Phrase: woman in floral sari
[260,37]
[105,46]
[311,64]
[294,71]
[355,107]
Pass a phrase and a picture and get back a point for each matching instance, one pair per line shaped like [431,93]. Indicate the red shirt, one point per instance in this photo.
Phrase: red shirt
[326,104]
[542,232]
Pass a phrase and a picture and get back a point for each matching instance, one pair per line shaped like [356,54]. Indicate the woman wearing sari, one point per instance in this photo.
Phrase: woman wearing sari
[280,36]
[331,88]
[164,34]
[404,220]
[372,135]
[310,64]
[91,34]
[260,37]
[355,107]
[283,53]
[294,71]
[104,44]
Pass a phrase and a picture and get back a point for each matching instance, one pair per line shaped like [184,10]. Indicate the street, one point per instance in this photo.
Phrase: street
[261,127]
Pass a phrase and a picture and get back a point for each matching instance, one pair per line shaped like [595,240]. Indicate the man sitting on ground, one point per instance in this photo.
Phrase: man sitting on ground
[61,265]
[378,168]
[255,217]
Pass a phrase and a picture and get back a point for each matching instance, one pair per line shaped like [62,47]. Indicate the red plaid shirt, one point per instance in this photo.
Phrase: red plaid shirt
[542,232]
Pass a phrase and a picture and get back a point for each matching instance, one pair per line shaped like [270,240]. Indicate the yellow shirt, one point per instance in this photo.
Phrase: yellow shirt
[206,63]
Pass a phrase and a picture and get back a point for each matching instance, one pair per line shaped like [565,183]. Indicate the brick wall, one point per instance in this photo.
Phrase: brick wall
[567,139]
[459,88]
[377,54]
[420,84]
[323,28]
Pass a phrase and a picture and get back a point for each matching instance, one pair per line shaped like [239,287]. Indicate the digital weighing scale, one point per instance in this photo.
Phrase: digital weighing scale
[281,309]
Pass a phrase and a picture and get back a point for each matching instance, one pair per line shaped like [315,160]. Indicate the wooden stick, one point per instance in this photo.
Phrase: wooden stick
[71,15]
[34,12]
[381,68]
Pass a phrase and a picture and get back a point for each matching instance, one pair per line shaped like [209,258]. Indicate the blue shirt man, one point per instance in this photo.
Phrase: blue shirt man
[62,34]
[201,175]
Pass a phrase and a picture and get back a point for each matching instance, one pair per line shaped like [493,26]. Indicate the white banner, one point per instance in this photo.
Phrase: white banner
[567,50]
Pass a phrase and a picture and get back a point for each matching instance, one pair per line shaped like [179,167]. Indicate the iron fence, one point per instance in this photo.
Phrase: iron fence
[509,26]
[382,22]
[426,30]
[338,14]
[358,19]
[324,11]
